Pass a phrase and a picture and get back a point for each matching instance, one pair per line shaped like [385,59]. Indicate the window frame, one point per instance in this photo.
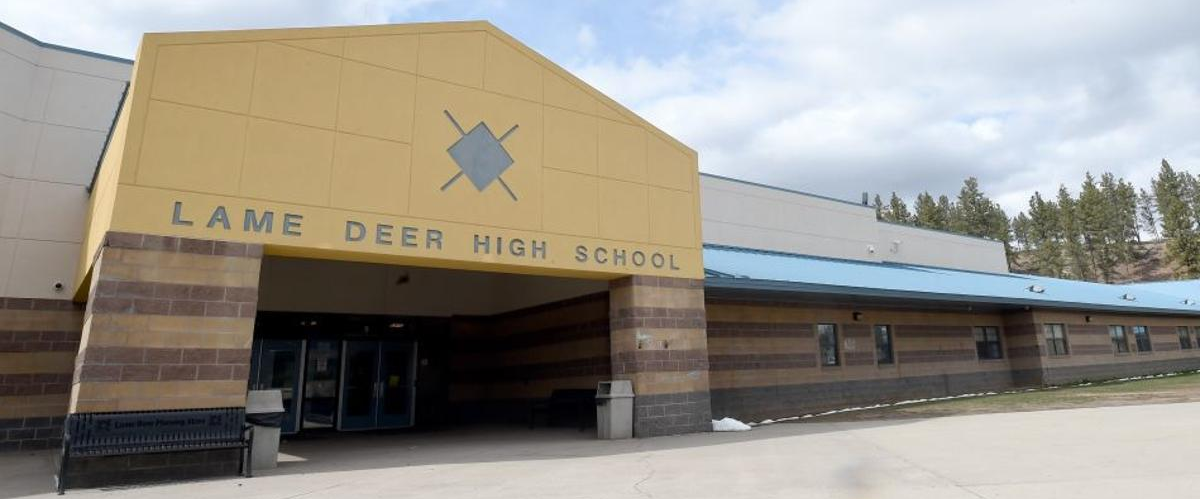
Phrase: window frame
[1185,337]
[1124,340]
[891,345]
[980,347]
[1137,339]
[837,354]
[1051,342]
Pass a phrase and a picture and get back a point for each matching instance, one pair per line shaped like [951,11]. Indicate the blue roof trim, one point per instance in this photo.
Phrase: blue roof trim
[76,51]
[784,189]
[741,268]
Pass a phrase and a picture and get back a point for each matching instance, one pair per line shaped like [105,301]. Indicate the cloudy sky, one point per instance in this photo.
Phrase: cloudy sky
[834,97]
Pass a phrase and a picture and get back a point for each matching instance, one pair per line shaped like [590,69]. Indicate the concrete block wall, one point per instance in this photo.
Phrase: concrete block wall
[502,362]
[38,341]
[764,357]
[169,325]
[659,342]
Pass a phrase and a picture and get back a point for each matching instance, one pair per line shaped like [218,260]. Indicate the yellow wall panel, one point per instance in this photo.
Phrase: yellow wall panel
[216,76]
[453,57]
[622,151]
[511,72]
[191,149]
[434,168]
[376,102]
[559,92]
[571,204]
[342,125]
[370,175]
[288,163]
[624,214]
[328,46]
[395,52]
[672,217]
[571,141]
[296,85]
[667,166]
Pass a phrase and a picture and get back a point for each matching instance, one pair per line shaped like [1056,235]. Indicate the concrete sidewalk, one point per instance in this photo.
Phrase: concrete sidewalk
[1145,452]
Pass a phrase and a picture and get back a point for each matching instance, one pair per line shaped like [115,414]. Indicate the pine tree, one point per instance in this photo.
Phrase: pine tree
[1147,219]
[1020,229]
[1075,256]
[896,211]
[949,213]
[1045,236]
[1178,221]
[973,210]
[929,213]
[878,208]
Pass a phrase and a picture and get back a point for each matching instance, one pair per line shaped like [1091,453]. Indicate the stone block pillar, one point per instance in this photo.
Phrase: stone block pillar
[659,342]
[1025,348]
[168,325]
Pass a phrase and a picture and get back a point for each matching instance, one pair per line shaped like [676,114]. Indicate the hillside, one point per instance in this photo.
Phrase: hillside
[1152,266]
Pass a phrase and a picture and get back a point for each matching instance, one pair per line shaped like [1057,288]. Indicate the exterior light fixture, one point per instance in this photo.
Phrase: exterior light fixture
[1036,289]
[857,316]
[1087,318]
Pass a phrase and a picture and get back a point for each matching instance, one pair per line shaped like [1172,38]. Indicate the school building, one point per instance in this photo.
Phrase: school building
[432,224]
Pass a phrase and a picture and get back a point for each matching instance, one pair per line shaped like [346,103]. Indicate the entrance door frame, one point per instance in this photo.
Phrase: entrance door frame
[377,387]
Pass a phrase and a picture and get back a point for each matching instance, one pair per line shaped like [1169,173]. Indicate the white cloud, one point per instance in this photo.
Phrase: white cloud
[116,26]
[586,38]
[840,97]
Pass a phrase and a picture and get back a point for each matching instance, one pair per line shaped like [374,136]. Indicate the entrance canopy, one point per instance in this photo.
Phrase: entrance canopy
[444,145]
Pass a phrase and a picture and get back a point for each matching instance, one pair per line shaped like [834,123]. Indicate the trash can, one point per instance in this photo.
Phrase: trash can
[614,410]
[264,410]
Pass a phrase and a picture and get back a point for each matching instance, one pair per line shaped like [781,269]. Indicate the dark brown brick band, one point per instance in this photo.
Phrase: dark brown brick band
[760,330]
[649,361]
[672,414]
[169,244]
[928,356]
[34,384]
[26,434]
[39,304]
[657,318]
[1087,330]
[859,358]
[754,361]
[931,331]
[1024,352]
[160,298]
[39,341]
[590,366]
[162,364]
[1090,349]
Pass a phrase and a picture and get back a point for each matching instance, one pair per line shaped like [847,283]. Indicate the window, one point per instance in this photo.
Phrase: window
[1142,337]
[1185,339]
[883,345]
[827,335]
[1056,339]
[987,342]
[1117,334]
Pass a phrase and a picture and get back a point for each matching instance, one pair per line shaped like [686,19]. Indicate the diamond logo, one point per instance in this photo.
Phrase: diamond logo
[480,156]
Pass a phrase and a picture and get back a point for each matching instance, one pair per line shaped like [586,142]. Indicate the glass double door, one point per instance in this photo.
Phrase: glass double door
[378,388]
[348,384]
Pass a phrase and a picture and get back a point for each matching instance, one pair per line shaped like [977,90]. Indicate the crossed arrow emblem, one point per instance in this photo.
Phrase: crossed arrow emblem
[480,156]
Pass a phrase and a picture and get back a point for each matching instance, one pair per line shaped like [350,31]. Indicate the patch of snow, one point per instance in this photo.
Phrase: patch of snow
[729,424]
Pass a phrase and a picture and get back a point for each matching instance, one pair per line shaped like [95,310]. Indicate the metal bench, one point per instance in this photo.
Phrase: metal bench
[153,432]
[578,405]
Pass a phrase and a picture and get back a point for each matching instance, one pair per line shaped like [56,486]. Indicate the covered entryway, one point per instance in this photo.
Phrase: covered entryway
[358,346]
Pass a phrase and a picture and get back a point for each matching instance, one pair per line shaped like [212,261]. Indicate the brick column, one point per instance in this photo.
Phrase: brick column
[1026,352]
[659,342]
[168,325]
[38,341]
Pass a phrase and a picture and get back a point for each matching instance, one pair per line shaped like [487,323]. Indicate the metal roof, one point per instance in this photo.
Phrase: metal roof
[1189,290]
[741,268]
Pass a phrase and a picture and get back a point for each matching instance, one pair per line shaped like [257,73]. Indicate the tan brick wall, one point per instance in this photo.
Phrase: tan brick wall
[528,353]
[169,325]
[38,342]
[659,342]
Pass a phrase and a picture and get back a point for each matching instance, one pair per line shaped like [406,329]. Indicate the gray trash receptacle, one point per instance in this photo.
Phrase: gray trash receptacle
[264,410]
[614,410]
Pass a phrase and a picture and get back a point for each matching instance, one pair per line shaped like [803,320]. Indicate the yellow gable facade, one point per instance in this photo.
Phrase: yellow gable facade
[445,145]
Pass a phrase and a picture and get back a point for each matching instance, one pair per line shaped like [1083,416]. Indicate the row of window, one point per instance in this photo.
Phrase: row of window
[987,344]
[1056,338]
[1057,344]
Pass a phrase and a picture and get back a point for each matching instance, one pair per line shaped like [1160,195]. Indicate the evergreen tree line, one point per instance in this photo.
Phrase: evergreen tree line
[1084,236]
